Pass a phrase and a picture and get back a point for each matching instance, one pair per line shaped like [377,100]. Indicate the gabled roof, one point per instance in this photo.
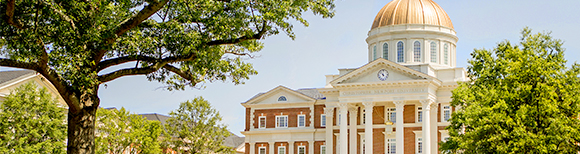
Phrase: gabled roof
[385,62]
[6,76]
[156,117]
[308,94]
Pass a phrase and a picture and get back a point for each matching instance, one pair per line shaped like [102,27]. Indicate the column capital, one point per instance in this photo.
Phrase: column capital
[368,104]
[342,105]
[329,111]
[399,103]
[427,103]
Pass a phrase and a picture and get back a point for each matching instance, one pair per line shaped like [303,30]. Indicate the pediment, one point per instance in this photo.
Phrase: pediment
[273,96]
[369,73]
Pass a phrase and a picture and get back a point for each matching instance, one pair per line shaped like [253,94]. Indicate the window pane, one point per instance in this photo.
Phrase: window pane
[400,52]
[301,120]
[375,52]
[417,51]
[323,149]
[433,52]
[262,122]
[445,54]
[386,51]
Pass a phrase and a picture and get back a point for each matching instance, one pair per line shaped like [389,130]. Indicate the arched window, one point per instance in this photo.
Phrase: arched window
[446,53]
[386,51]
[417,51]
[400,52]
[374,52]
[282,99]
[433,52]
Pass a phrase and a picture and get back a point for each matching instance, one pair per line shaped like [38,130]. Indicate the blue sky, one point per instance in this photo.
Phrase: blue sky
[339,42]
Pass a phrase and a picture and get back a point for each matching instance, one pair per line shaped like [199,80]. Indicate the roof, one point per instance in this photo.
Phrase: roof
[6,76]
[156,117]
[233,140]
[398,12]
[312,92]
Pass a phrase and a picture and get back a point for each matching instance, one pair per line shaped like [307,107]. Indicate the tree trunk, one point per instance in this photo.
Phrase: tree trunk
[81,129]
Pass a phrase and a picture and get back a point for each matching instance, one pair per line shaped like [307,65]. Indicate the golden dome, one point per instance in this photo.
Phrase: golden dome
[412,12]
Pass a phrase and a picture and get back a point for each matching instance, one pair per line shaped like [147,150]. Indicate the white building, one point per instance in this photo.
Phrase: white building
[396,103]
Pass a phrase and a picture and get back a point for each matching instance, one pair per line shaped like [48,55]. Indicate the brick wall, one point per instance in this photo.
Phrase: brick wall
[378,140]
[409,114]
[379,115]
[247,148]
[318,110]
[317,145]
[280,144]
[262,144]
[271,114]
[410,139]
[300,143]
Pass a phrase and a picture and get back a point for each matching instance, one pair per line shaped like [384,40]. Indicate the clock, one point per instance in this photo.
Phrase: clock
[383,74]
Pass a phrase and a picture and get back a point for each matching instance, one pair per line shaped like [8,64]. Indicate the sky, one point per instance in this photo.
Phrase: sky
[329,44]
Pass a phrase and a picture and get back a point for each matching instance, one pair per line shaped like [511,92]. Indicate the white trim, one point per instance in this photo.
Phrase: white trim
[282,147]
[298,120]
[321,147]
[260,122]
[323,123]
[417,109]
[260,150]
[443,112]
[298,149]
[281,116]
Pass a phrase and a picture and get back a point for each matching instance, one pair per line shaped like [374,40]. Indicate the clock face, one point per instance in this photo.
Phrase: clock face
[383,75]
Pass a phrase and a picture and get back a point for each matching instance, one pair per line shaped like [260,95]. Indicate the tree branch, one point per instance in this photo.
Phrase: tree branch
[130,71]
[59,12]
[10,15]
[131,23]
[120,60]
[52,76]
[240,39]
[183,74]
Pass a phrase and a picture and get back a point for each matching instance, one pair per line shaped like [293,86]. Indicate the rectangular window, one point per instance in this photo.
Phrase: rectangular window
[281,121]
[262,150]
[301,149]
[339,117]
[420,145]
[323,120]
[281,150]
[262,122]
[391,146]
[301,120]
[392,114]
[323,149]
[419,114]
[362,143]
[446,113]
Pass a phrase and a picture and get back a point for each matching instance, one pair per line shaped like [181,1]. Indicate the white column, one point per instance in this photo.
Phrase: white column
[252,147]
[369,127]
[352,113]
[434,128]
[343,128]
[329,111]
[400,136]
[426,125]
[271,147]
[311,117]
[290,147]
[310,147]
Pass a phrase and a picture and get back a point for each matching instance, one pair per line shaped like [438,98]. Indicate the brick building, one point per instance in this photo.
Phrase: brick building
[396,103]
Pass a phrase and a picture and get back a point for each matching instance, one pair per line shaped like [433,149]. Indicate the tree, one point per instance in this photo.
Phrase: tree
[31,122]
[521,99]
[79,45]
[195,128]
[120,132]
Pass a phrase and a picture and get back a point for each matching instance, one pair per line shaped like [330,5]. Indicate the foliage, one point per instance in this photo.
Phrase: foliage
[195,128]
[120,132]
[521,99]
[31,122]
[79,45]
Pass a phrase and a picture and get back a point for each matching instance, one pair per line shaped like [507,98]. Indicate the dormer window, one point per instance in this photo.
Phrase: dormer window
[282,99]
